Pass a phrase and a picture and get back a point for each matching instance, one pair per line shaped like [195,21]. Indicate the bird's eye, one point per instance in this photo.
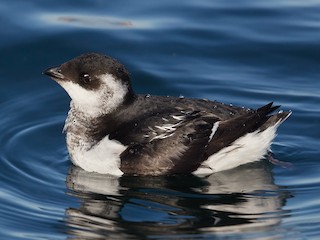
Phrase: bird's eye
[85,78]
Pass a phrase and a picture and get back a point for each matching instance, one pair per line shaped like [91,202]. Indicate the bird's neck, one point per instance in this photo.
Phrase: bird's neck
[77,128]
[85,130]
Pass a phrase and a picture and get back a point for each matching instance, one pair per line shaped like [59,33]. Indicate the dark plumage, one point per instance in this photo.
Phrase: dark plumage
[159,135]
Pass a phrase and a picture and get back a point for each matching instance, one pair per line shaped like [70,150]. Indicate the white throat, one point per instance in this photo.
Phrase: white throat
[107,98]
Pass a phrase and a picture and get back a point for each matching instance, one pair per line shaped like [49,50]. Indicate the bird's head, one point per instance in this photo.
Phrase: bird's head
[97,84]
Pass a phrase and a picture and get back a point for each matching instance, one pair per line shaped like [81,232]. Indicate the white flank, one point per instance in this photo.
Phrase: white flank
[102,158]
[249,148]
[96,102]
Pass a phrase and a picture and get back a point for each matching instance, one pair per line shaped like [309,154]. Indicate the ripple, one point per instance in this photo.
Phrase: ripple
[34,162]
[28,150]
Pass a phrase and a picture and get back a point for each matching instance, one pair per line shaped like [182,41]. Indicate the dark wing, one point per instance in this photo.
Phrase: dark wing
[167,144]
[230,130]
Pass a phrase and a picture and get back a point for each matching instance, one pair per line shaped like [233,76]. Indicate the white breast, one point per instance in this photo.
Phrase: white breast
[103,158]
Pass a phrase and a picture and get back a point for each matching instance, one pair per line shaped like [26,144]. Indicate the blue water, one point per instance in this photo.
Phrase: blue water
[242,52]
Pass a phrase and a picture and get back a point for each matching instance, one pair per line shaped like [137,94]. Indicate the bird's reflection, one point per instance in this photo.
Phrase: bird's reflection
[240,200]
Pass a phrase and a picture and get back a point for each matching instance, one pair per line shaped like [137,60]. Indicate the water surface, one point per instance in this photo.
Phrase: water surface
[245,53]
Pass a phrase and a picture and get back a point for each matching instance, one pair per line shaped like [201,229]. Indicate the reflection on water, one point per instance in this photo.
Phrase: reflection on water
[235,201]
[92,21]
